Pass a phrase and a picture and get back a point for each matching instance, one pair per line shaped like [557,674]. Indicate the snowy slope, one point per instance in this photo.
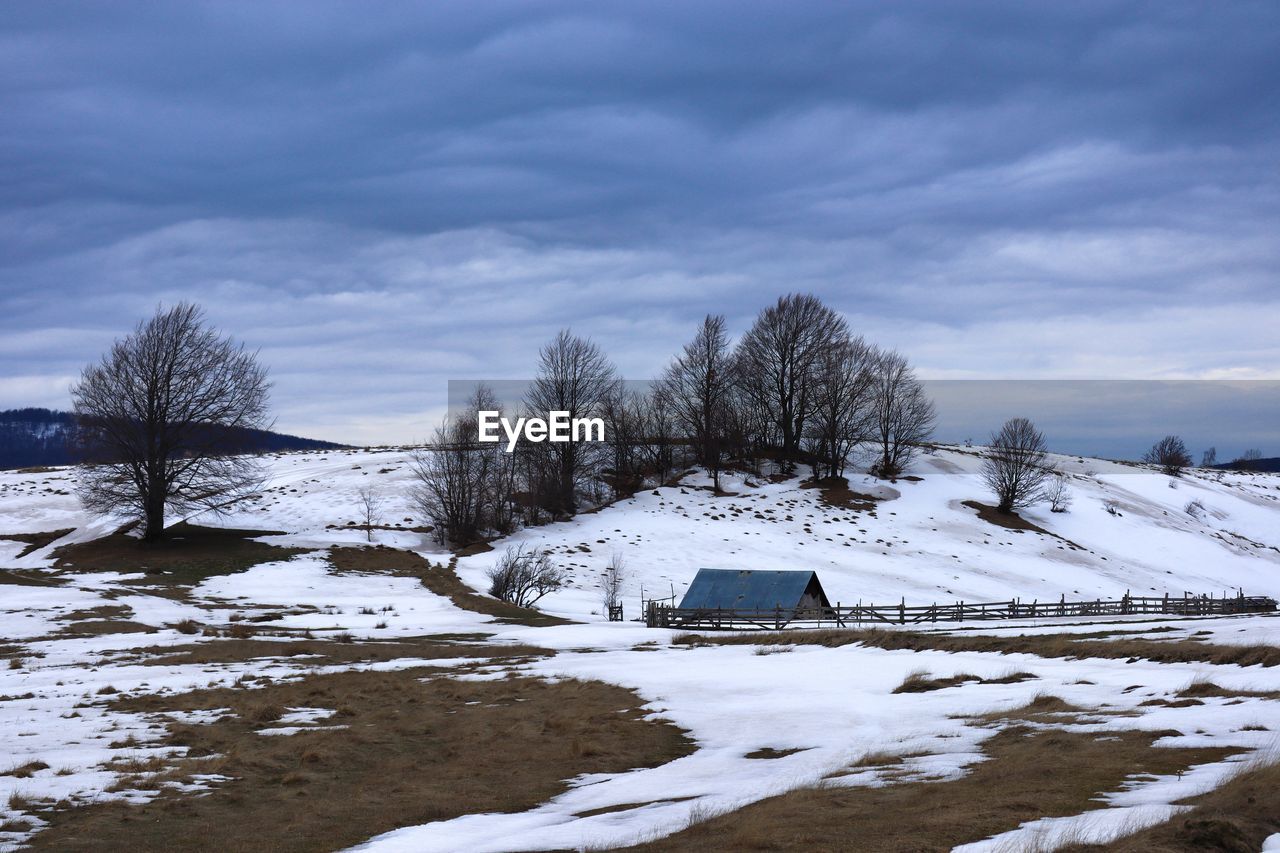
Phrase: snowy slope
[918,541]
[921,543]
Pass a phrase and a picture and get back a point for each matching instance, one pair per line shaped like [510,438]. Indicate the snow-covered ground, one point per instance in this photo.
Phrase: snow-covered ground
[916,540]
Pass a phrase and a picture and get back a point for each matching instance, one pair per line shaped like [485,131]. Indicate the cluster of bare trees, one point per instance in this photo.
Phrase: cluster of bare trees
[798,387]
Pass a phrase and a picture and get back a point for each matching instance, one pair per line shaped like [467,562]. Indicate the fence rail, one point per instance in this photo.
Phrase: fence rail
[659,615]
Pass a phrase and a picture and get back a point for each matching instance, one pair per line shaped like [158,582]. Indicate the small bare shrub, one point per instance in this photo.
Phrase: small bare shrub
[523,577]
[1058,494]
[371,503]
[1195,508]
[1111,506]
[611,587]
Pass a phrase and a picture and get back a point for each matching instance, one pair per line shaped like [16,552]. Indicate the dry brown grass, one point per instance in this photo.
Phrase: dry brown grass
[1013,521]
[768,753]
[442,580]
[188,555]
[25,771]
[835,492]
[1201,689]
[36,541]
[328,652]
[1118,646]
[1029,774]
[1234,818]
[921,681]
[413,751]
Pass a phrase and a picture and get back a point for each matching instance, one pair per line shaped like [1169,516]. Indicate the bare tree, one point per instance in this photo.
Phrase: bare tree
[371,503]
[842,410]
[1170,454]
[522,577]
[776,361]
[450,485]
[162,416]
[1014,467]
[464,486]
[623,413]
[698,384]
[1210,458]
[657,446]
[1057,493]
[574,377]
[902,415]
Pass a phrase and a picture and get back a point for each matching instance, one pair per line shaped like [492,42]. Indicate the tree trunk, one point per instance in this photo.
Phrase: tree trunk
[153,524]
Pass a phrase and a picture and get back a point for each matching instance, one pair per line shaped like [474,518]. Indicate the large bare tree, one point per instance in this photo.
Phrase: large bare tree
[698,384]
[777,357]
[576,377]
[162,417]
[902,414]
[1015,466]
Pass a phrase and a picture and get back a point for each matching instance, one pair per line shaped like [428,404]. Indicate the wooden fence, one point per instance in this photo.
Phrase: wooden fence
[659,615]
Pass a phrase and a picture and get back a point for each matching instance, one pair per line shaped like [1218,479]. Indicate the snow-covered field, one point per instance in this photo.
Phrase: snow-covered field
[915,541]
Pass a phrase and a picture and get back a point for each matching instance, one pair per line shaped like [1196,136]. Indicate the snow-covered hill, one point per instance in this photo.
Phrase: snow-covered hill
[1205,532]
[915,538]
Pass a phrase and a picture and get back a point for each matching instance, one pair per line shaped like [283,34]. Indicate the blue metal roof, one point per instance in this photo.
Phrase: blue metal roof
[749,590]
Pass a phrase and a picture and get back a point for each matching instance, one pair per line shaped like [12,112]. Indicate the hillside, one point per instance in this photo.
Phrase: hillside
[141,680]
[42,437]
[914,538]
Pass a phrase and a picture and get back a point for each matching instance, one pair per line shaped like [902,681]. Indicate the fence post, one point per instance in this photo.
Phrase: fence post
[902,611]
[777,617]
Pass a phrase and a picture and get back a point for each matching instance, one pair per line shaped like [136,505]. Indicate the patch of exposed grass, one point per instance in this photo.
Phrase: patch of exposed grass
[103,627]
[25,771]
[835,492]
[1203,689]
[28,577]
[769,752]
[36,541]
[1042,645]
[414,749]
[330,652]
[1235,817]
[920,681]
[442,580]
[189,554]
[1013,521]
[1029,774]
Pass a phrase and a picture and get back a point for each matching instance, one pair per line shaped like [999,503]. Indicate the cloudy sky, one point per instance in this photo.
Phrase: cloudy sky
[384,196]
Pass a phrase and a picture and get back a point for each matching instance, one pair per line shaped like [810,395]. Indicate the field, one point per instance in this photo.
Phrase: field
[271,679]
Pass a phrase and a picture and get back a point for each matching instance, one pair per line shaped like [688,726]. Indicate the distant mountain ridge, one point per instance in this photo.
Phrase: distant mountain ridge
[33,437]
[1265,465]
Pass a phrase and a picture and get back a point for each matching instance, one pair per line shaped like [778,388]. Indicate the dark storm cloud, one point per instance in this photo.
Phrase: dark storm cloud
[383,195]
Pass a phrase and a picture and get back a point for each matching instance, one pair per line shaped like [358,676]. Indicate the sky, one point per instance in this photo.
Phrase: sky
[383,196]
